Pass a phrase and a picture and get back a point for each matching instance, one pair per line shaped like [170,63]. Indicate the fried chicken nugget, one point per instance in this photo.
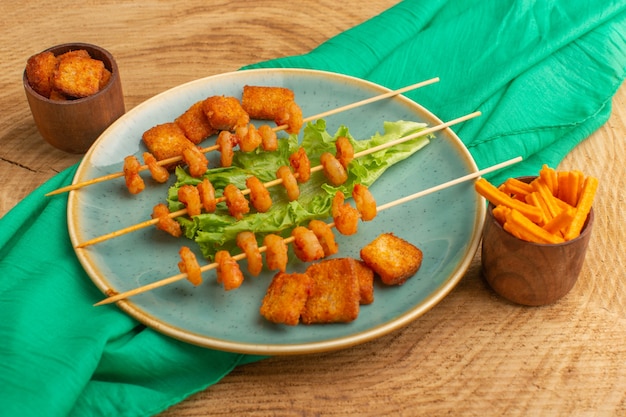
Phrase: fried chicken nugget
[265,103]
[285,298]
[78,76]
[225,113]
[195,124]
[166,140]
[335,294]
[39,71]
[394,259]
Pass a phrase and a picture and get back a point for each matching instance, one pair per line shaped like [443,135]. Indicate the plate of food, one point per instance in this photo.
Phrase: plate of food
[444,226]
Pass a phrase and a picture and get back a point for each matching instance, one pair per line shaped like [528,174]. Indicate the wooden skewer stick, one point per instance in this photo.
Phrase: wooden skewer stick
[374,149]
[175,159]
[240,256]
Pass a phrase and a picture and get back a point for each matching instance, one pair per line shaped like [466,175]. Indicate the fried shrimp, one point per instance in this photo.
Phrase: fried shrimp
[259,195]
[190,197]
[251,140]
[236,201]
[345,216]
[134,182]
[189,265]
[333,170]
[275,253]
[248,244]
[269,140]
[325,236]
[159,173]
[226,142]
[166,223]
[196,161]
[207,195]
[291,115]
[289,182]
[228,271]
[301,165]
[305,245]
[345,151]
[365,203]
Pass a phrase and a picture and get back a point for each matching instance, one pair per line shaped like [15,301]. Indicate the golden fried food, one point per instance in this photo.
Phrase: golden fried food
[226,142]
[189,265]
[290,115]
[289,182]
[305,245]
[134,182]
[248,244]
[335,294]
[166,223]
[325,236]
[345,151]
[159,173]
[207,195]
[269,140]
[195,124]
[333,170]
[345,216]
[224,113]
[78,76]
[236,201]
[228,271]
[365,203]
[190,197]
[285,298]
[392,258]
[196,161]
[39,71]
[250,140]
[365,276]
[265,103]
[166,141]
[275,253]
[300,164]
[259,194]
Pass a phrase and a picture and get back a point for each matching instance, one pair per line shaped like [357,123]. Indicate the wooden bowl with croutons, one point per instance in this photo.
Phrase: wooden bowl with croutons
[74,92]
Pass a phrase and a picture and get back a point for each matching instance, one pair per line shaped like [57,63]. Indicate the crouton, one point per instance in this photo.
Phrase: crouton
[39,71]
[334,294]
[225,113]
[195,123]
[166,140]
[285,298]
[365,276]
[77,76]
[392,258]
[265,103]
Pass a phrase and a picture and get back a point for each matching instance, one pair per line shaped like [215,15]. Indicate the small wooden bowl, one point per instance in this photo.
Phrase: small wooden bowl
[527,273]
[74,125]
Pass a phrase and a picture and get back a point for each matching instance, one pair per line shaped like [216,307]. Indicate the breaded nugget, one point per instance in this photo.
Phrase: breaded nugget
[365,276]
[265,103]
[225,113]
[195,124]
[39,71]
[77,76]
[334,294]
[285,298]
[82,53]
[106,76]
[166,140]
[392,258]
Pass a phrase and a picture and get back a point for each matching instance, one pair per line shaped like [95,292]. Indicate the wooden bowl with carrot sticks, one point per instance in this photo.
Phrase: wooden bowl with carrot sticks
[536,234]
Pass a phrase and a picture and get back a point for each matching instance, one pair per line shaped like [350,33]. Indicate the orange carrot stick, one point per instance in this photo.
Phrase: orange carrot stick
[497,197]
[585,201]
[517,222]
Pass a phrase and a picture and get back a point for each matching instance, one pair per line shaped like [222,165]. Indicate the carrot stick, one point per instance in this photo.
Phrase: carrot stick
[517,188]
[528,230]
[549,176]
[535,199]
[560,223]
[497,197]
[583,207]
[500,212]
[546,194]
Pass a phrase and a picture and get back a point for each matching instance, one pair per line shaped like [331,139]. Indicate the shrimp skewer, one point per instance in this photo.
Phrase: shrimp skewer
[176,159]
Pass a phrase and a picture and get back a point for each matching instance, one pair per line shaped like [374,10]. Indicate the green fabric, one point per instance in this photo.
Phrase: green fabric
[542,72]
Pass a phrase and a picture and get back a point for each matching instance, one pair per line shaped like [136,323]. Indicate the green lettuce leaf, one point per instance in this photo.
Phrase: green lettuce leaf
[216,231]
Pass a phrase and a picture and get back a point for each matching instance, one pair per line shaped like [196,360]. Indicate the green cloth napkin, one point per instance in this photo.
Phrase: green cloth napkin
[542,72]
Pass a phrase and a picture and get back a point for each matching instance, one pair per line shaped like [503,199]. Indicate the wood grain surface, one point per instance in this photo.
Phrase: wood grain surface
[473,354]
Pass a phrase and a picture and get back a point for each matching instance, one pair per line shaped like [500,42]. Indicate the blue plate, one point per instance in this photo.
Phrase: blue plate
[446,225]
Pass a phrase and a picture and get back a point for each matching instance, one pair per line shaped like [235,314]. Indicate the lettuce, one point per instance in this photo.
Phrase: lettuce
[216,231]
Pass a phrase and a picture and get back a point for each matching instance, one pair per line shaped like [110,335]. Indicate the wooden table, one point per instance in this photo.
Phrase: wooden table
[473,354]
